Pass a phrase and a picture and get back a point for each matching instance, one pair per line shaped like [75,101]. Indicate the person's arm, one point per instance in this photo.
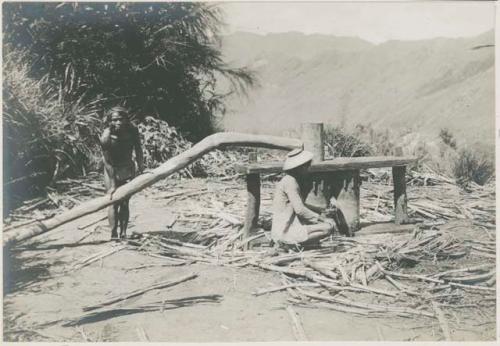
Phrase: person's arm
[139,158]
[314,208]
[105,142]
[331,207]
[303,212]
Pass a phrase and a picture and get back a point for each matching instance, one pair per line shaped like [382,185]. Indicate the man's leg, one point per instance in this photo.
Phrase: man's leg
[113,210]
[318,231]
[124,218]
[113,214]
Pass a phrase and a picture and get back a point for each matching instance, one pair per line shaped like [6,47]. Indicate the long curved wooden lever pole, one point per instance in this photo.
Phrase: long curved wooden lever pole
[215,141]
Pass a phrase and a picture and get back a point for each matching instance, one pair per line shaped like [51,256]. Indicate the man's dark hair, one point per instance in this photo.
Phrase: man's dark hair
[117,109]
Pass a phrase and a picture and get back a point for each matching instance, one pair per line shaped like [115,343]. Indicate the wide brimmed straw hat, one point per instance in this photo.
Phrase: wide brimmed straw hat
[296,158]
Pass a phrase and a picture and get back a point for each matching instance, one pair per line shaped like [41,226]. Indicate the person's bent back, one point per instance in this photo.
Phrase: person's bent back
[293,221]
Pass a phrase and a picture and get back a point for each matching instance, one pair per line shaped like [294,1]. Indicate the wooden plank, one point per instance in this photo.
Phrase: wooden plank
[356,163]
[337,164]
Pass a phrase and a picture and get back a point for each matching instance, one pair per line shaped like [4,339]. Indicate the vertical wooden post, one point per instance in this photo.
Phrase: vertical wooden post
[253,201]
[400,198]
[252,157]
[313,137]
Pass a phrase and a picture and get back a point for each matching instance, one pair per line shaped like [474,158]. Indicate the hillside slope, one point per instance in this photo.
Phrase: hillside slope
[418,85]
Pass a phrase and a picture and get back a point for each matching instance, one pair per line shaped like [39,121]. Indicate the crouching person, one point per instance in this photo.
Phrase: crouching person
[293,221]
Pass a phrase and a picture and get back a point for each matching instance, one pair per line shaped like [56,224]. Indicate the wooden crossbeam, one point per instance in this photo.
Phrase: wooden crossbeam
[337,164]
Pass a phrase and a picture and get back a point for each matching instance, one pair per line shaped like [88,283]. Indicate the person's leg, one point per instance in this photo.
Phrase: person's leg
[119,212]
[299,235]
[113,214]
[120,219]
[124,218]
[112,209]
[318,231]
[129,173]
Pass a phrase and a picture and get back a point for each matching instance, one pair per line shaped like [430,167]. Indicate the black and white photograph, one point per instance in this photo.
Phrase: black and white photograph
[249,171]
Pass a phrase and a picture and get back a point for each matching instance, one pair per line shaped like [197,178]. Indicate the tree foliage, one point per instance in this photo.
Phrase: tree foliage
[65,64]
[45,137]
[473,165]
[341,143]
[160,59]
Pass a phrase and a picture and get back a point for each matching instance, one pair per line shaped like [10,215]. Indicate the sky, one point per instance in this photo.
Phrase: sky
[376,22]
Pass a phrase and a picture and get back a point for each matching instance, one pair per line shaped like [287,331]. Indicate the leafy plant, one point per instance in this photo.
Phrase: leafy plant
[342,144]
[448,138]
[381,142]
[65,64]
[473,166]
[160,59]
[45,135]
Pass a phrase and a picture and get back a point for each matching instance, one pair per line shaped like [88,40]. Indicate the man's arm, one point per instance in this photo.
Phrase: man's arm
[332,206]
[306,188]
[314,208]
[303,212]
[139,159]
[105,142]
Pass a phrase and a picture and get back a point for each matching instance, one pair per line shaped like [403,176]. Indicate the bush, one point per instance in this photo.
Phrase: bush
[473,165]
[157,58]
[66,63]
[160,141]
[381,142]
[45,135]
[342,144]
[448,138]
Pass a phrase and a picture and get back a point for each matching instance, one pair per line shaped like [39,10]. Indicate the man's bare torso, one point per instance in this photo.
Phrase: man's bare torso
[120,146]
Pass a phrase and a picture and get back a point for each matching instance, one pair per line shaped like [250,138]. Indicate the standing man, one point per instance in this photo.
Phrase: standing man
[293,221]
[118,141]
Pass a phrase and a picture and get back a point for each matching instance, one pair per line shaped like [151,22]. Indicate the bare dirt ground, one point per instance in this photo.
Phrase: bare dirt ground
[43,290]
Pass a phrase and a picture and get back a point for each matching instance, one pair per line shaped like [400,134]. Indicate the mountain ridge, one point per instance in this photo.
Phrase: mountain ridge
[422,85]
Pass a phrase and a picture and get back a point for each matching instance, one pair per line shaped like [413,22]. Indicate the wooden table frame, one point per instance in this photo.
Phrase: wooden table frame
[351,166]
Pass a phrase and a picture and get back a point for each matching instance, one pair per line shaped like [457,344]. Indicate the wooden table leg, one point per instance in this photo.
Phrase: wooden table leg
[348,200]
[253,205]
[400,198]
[345,187]
[317,197]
